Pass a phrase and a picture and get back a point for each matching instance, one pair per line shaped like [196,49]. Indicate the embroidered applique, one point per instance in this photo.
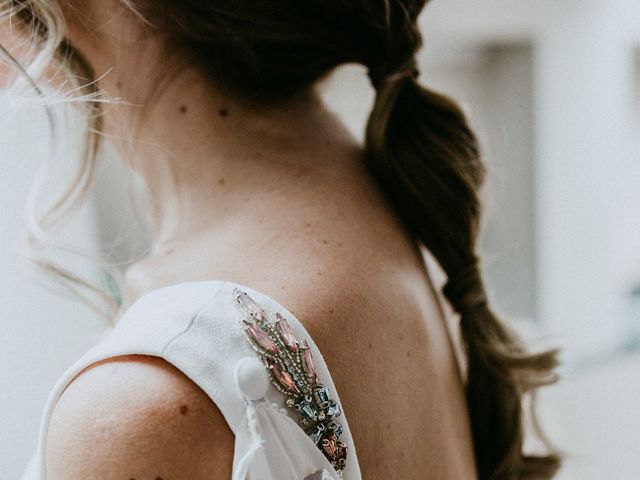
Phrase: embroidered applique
[291,370]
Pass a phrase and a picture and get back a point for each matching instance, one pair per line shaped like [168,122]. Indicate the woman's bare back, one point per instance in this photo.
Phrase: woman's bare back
[340,261]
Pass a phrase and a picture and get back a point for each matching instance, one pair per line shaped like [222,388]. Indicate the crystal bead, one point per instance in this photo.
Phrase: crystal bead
[307,363]
[336,428]
[250,304]
[260,338]
[284,329]
[341,453]
[322,395]
[282,377]
[329,445]
[333,410]
[315,432]
[306,407]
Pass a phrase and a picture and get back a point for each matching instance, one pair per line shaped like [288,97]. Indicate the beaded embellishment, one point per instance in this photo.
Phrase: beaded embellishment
[291,370]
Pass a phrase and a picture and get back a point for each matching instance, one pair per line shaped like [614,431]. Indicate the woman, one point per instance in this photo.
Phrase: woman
[253,183]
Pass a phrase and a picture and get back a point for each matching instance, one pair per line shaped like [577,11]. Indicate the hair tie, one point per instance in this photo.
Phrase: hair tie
[465,290]
[383,77]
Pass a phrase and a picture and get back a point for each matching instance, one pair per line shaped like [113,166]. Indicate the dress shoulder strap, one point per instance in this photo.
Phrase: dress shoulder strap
[438,279]
[198,328]
[148,327]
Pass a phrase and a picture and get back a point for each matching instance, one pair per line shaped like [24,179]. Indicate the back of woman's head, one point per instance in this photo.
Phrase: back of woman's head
[419,149]
[269,50]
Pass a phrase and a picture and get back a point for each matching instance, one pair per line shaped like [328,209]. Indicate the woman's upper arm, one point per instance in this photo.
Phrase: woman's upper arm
[139,418]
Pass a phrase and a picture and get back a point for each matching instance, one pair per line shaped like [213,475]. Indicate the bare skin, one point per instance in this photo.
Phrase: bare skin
[277,199]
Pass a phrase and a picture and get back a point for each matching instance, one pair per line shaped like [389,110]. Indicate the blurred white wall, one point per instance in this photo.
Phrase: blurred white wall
[496,90]
[41,334]
[581,142]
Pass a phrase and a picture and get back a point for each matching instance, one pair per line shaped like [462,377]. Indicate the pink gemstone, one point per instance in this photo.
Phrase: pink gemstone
[329,445]
[283,377]
[285,331]
[250,304]
[308,362]
[341,452]
[260,338]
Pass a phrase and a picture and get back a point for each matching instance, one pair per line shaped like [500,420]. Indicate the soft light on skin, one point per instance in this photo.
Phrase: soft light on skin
[202,154]
[186,138]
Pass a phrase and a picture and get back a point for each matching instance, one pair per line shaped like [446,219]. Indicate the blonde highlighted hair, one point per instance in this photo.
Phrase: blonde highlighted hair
[51,73]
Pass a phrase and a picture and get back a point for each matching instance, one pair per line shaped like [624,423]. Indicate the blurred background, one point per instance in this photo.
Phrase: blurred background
[553,89]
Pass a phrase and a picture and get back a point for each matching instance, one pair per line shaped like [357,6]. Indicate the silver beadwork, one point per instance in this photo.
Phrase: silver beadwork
[291,370]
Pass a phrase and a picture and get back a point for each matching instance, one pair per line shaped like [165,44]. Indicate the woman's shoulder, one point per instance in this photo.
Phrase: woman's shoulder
[167,413]
[136,417]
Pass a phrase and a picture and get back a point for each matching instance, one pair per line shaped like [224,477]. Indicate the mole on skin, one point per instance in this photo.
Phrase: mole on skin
[223,112]
[183,109]
[221,181]
[183,409]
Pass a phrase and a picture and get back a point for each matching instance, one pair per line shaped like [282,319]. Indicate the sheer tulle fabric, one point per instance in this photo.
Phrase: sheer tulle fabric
[263,450]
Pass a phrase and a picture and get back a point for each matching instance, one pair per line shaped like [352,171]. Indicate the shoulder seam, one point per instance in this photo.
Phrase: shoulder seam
[193,319]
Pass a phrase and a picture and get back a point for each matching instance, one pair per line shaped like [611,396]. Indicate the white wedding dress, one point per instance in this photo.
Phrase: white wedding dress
[255,360]
[257,363]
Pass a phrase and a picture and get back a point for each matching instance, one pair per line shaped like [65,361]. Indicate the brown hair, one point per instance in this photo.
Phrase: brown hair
[420,150]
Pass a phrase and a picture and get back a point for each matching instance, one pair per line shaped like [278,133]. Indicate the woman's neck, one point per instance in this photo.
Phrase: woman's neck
[203,155]
[200,153]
